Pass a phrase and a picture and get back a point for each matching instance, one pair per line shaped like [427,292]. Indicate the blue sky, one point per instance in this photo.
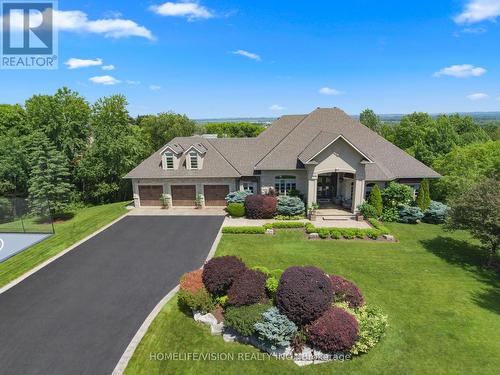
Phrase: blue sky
[266,58]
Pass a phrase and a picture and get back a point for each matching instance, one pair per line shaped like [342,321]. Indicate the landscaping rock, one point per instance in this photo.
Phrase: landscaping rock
[388,237]
[313,236]
[270,231]
[216,329]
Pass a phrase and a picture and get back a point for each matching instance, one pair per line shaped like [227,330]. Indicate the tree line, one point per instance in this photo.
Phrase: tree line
[461,150]
[62,148]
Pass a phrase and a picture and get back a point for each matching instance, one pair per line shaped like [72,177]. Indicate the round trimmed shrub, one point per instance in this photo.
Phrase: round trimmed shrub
[436,213]
[236,209]
[248,288]
[409,214]
[275,329]
[303,294]
[367,210]
[237,196]
[243,318]
[290,206]
[335,331]
[219,273]
[346,290]
[200,300]
[260,206]
[192,281]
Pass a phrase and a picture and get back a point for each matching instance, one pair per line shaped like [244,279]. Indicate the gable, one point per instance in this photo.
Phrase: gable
[339,156]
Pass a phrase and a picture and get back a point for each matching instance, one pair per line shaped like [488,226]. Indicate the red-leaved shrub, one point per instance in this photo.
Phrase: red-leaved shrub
[346,290]
[260,206]
[192,281]
[220,272]
[248,288]
[303,294]
[336,330]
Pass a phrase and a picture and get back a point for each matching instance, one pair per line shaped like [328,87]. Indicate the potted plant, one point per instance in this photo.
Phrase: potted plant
[312,211]
[199,201]
[165,201]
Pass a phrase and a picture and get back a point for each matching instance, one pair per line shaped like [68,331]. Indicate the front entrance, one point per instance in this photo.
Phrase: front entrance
[327,187]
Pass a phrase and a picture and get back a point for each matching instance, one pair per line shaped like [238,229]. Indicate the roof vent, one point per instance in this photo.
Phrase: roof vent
[209,136]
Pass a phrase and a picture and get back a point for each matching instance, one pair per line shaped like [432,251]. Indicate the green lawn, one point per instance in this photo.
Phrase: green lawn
[443,308]
[85,222]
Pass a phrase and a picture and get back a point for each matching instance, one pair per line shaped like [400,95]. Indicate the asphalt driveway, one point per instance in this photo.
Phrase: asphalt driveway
[78,314]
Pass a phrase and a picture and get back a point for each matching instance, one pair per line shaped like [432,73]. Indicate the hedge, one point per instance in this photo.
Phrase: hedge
[284,225]
[244,230]
[348,233]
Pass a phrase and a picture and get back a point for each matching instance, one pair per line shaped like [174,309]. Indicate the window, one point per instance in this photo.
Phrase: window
[169,160]
[284,184]
[193,159]
[248,186]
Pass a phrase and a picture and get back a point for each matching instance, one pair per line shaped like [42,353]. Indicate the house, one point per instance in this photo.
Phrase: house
[326,155]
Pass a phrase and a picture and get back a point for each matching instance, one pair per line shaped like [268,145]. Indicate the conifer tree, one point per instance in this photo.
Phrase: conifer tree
[375,199]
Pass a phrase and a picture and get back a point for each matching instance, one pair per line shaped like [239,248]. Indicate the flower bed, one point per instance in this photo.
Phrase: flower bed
[301,313]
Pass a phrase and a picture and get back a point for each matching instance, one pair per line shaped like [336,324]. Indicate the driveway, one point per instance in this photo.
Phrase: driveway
[78,314]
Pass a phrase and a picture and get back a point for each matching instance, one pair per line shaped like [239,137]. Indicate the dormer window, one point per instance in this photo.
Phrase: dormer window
[169,160]
[193,160]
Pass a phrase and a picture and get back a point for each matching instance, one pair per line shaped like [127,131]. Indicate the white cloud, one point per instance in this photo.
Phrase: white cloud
[77,21]
[190,10]
[329,91]
[74,63]
[477,96]
[276,108]
[250,55]
[461,71]
[129,82]
[154,87]
[479,10]
[498,98]
[104,80]
[108,67]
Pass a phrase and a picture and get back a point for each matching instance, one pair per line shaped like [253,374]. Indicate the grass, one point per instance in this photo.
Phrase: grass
[85,222]
[443,307]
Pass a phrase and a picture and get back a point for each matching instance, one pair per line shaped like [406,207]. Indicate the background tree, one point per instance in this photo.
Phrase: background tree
[117,147]
[49,179]
[64,118]
[162,128]
[375,199]
[369,119]
[424,198]
[232,129]
[477,211]
[463,167]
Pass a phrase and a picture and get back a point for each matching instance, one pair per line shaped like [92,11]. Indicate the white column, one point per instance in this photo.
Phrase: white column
[359,192]
[312,189]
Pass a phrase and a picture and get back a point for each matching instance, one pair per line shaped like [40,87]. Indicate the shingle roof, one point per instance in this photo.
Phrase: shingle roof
[288,143]
[214,164]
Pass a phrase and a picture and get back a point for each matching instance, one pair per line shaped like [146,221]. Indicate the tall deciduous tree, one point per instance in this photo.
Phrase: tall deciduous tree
[116,148]
[49,177]
[369,119]
[424,198]
[375,199]
[463,167]
[477,211]
[65,119]
[163,127]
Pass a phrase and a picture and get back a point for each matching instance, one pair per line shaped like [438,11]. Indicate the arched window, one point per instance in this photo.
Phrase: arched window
[284,184]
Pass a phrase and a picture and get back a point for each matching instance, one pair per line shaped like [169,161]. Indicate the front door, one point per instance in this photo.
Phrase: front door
[324,187]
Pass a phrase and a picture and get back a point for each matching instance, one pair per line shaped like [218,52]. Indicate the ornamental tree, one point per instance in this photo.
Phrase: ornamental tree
[375,199]
[424,198]
[477,211]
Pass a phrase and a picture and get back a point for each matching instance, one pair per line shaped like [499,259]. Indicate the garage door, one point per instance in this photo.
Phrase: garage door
[150,195]
[215,194]
[183,195]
